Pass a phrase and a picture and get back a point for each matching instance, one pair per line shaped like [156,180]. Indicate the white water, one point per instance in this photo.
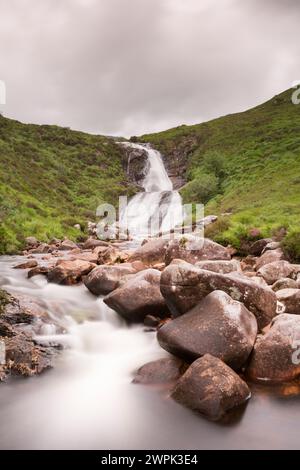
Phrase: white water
[159,207]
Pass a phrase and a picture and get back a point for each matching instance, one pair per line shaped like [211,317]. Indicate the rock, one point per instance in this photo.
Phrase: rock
[136,163]
[258,246]
[110,255]
[105,278]
[38,271]
[223,267]
[248,263]
[77,226]
[67,245]
[162,371]
[218,325]
[290,298]
[276,355]
[69,272]
[184,286]
[276,270]
[193,249]
[89,256]
[271,246]
[92,243]
[151,321]
[269,257]
[151,253]
[31,242]
[285,283]
[42,248]
[138,297]
[210,387]
[31,263]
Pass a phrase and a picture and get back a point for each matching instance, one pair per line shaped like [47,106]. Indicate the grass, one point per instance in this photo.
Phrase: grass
[52,178]
[254,175]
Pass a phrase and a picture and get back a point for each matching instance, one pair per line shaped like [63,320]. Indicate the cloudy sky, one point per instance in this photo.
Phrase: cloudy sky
[125,67]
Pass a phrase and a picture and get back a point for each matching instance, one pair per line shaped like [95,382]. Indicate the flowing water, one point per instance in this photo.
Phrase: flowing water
[87,401]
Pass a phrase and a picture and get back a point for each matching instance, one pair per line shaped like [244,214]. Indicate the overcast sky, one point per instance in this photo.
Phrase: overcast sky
[126,67]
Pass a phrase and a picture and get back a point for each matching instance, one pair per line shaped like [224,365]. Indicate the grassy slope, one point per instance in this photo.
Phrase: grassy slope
[51,178]
[261,150]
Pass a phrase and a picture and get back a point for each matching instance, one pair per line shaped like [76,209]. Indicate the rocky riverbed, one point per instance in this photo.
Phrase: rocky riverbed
[227,323]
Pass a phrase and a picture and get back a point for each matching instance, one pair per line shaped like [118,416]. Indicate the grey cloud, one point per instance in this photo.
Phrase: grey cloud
[134,66]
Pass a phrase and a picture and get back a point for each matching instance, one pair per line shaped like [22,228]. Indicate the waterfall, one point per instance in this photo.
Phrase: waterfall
[158,208]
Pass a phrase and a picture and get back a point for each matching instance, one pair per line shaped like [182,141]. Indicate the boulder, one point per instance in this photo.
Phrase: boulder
[67,245]
[138,297]
[89,256]
[269,257]
[258,246]
[151,321]
[184,286]
[276,355]
[41,249]
[218,325]
[92,243]
[110,255]
[162,371]
[31,242]
[37,271]
[31,263]
[271,246]
[210,387]
[151,253]
[105,278]
[276,270]
[290,298]
[194,249]
[285,283]
[223,267]
[69,272]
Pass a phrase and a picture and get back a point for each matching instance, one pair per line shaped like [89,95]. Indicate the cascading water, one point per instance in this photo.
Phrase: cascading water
[157,209]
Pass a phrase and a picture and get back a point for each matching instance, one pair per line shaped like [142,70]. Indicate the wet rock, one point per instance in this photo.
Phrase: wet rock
[162,371]
[105,278]
[258,246]
[223,267]
[290,298]
[44,270]
[285,283]
[151,253]
[269,257]
[92,243]
[67,245]
[138,297]
[31,263]
[137,164]
[276,355]
[69,272]
[184,286]
[276,270]
[151,321]
[110,255]
[218,325]
[210,387]
[194,249]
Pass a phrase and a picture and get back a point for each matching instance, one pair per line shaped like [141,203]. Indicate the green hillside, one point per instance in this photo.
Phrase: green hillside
[245,165]
[52,178]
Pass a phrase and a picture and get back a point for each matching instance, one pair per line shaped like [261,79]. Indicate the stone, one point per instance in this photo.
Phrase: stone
[68,272]
[41,249]
[162,371]
[269,257]
[31,242]
[210,387]
[285,283]
[105,278]
[31,263]
[151,321]
[67,245]
[38,270]
[138,297]
[223,267]
[184,286]
[194,249]
[276,357]
[271,246]
[92,243]
[258,246]
[290,298]
[151,253]
[276,270]
[218,325]
[110,255]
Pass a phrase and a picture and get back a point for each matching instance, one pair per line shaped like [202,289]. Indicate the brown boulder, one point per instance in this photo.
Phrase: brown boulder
[31,263]
[290,298]
[271,272]
[110,255]
[276,355]
[285,283]
[151,252]
[41,249]
[223,267]
[210,387]
[269,257]
[194,249]
[162,371]
[184,286]
[67,245]
[258,246]
[37,271]
[105,278]
[138,297]
[218,325]
[92,243]
[69,272]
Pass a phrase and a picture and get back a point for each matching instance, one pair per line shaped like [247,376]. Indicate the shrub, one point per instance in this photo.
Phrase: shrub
[201,189]
[291,244]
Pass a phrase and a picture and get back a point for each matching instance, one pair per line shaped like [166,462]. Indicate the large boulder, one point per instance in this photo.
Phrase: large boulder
[31,263]
[162,371]
[69,272]
[110,255]
[258,246]
[276,355]
[184,286]
[105,278]
[210,387]
[223,267]
[276,270]
[218,325]
[285,283]
[139,297]
[194,249]
[41,249]
[92,243]
[67,245]
[152,252]
[269,257]
[290,298]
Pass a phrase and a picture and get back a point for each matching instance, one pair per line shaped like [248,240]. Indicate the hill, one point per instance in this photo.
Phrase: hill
[52,178]
[245,166]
